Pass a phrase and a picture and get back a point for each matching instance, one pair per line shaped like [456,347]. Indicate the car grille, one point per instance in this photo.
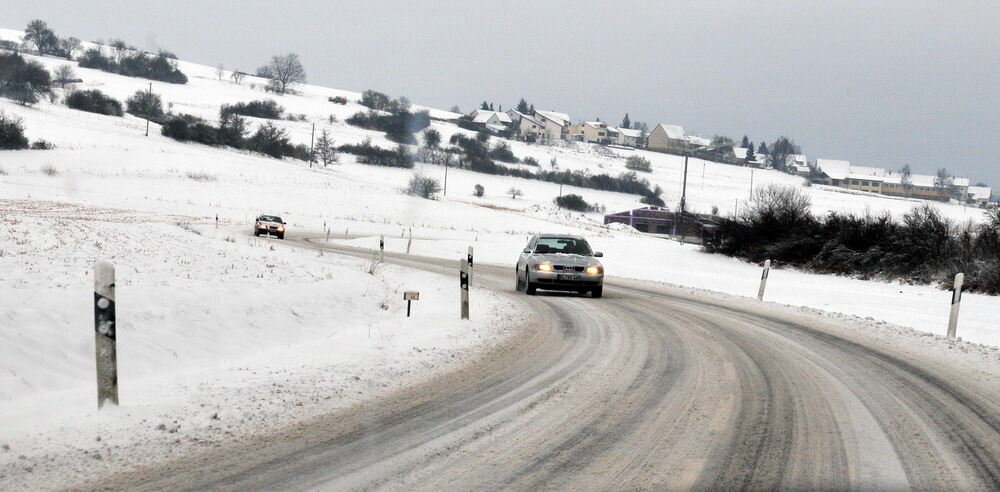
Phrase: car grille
[567,268]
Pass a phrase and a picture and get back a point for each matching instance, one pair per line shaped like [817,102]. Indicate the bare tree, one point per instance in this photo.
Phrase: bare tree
[120,48]
[283,70]
[220,70]
[906,179]
[63,75]
[238,76]
[39,34]
[70,45]
[515,192]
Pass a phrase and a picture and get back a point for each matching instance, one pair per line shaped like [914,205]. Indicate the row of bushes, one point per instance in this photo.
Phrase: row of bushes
[477,156]
[264,108]
[232,132]
[94,101]
[135,64]
[576,203]
[370,154]
[922,247]
[398,127]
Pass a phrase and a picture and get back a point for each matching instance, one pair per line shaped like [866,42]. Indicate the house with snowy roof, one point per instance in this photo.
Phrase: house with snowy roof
[667,138]
[887,182]
[492,121]
[556,124]
[527,127]
[589,131]
[980,195]
[629,137]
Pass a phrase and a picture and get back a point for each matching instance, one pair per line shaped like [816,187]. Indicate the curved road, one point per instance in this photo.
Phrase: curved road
[644,389]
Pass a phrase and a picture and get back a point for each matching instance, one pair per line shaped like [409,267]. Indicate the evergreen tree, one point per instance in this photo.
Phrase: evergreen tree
[626,122]
[745,142]
[522,107]
[485,106]
[762,150]
[531,110]
[325,149]
[491,106]
[751,156]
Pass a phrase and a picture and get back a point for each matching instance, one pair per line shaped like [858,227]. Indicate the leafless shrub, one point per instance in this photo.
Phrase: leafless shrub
[49,170]
[201,176]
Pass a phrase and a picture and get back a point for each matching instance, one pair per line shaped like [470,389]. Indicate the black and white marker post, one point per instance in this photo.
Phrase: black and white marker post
[763,280]
[956,300]
[470,265]
[104,333]
[463,278]
[381,248]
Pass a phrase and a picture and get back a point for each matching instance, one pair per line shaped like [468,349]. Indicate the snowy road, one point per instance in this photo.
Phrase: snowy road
[648,388]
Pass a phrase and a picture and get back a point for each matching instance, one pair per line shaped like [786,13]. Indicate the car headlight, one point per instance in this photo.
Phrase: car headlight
[544,267]
[281,228]
[594,270]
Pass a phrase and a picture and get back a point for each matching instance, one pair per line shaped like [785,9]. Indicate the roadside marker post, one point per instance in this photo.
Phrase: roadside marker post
[763,280]
[104,333]
[956,301]
[409,242]
[381,248]
[410,296]
[470,265]
[463,279]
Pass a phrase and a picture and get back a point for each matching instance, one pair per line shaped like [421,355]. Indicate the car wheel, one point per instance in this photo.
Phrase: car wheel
[529,288]
[256,234]
[518,285]
[281,236]
[597,292]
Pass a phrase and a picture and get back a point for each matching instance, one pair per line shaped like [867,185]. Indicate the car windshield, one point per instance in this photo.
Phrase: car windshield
[565,245]
[269,218]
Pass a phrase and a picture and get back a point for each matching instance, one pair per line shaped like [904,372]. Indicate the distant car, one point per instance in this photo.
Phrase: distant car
[269,225]
[560,262]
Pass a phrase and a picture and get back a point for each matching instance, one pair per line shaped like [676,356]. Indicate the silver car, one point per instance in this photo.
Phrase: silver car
[560,262]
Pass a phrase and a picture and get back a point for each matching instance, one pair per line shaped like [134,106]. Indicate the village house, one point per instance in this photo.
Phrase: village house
[556,125]
[628,137]
[526,127]
[590,131]
[886,182]
[667,138]
[491,121]
[980,195]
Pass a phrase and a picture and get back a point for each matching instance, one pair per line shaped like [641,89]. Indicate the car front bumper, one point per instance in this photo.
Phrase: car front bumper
[565,281]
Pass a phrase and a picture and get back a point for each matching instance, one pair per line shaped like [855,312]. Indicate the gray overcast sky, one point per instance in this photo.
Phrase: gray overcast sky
[879,83]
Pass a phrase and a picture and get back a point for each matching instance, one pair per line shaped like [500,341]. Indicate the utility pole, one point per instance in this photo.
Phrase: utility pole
[683,193]
[312,141]
[445,192]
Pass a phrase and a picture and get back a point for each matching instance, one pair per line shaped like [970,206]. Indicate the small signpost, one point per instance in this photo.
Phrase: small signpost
[956,300]
[410,296]
[763,280]
[463,279]
[104,333]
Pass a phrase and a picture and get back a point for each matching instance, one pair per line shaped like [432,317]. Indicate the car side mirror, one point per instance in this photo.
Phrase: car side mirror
[283,223]
[527,250]
[598,254]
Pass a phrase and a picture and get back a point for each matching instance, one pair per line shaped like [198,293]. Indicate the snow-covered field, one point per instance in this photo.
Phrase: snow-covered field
[221,333]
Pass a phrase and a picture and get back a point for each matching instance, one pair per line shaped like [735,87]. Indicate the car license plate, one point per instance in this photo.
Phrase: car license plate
[568,277]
